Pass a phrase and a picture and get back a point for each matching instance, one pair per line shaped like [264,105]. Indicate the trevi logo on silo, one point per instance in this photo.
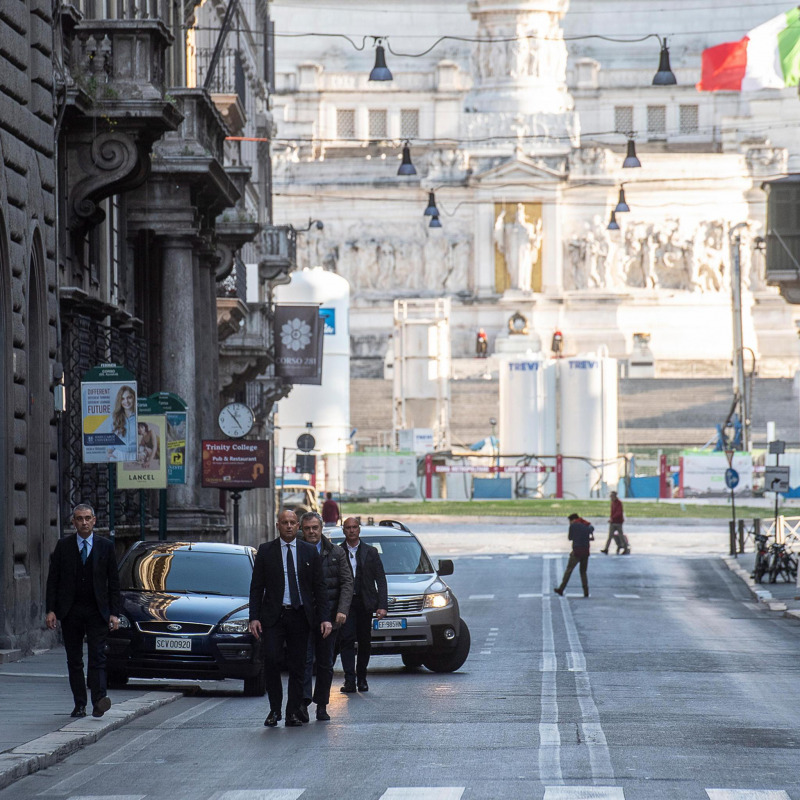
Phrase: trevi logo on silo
[296,334]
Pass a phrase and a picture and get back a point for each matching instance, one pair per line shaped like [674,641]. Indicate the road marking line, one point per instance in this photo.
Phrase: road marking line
[551,556]
[628,596]
[481,597]
[549,737]
[532,594]
[595,739]
[258,794]
[483,558]
[485,652]
[584,793]
[747,794]
[576,662]
[518,558]
[424,793]
[107,797]
[494,629]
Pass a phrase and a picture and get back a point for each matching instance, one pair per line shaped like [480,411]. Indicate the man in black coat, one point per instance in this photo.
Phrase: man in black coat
[580,534]
[370,596]
[339,585]
[287,599]
[83,594]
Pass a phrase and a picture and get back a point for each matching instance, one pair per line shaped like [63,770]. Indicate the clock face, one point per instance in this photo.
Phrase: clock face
[236,420]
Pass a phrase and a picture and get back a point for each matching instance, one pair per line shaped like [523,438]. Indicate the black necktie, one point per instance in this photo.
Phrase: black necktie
[84,551]
[294,594]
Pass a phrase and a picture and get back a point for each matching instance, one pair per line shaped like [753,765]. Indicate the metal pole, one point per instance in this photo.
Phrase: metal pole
[738,344]
[111,519]
[236,496]
[142,515]
[162,515]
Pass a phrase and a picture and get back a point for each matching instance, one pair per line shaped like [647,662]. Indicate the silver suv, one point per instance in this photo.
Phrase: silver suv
[423,625]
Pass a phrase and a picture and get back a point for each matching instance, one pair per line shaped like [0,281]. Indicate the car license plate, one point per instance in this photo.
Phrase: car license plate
[388,624]
[173,643]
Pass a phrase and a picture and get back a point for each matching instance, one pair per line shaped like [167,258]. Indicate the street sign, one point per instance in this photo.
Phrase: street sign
[235,464]
[729,454]
[776,479]
[305,463]
[731,478]
[305,442]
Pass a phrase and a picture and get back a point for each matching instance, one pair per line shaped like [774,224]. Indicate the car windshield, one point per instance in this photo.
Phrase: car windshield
[187,571]
[401,555]
[294,496]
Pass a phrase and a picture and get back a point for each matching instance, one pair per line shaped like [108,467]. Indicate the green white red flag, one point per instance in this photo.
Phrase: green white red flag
[768,57]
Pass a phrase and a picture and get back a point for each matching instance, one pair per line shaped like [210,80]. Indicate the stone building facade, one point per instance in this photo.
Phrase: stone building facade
[125,206]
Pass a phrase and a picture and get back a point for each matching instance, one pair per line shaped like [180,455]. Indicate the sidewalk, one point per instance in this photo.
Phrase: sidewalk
[36,729]
[781,596]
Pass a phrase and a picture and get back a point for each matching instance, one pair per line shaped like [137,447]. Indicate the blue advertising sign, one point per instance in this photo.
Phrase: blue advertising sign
[328,316]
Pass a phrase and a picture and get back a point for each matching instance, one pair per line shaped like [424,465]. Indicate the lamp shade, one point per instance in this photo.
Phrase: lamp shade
[434,223]
[406,167]
[380,72]
[621,204]
[613,225]
[431,210]
[665,76]
[630,159]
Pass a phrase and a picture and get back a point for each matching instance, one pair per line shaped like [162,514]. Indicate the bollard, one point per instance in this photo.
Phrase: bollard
[741,536]
[732,533]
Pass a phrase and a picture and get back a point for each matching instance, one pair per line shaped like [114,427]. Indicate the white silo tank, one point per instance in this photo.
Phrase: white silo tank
[528,414]
[588,391]
[327,406]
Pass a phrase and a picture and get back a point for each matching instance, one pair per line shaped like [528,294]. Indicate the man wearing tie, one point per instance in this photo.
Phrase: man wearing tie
[83,593]
[370,596]
[287,598]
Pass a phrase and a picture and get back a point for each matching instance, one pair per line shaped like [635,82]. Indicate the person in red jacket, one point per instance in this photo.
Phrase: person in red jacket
[615,520]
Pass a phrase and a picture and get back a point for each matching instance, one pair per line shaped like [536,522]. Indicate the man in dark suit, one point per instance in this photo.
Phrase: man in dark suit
[287,598]
[370,596]
[83,593]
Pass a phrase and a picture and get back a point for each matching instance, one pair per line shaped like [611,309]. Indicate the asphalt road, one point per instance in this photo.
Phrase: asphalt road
[669,682]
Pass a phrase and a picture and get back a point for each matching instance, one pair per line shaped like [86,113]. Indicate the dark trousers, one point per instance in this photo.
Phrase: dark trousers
[357,628]
[322,651]
[615,535]
[292,629]
[84,620]
[574,560]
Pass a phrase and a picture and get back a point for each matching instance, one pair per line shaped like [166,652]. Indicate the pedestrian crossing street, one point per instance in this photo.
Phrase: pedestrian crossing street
[455,793]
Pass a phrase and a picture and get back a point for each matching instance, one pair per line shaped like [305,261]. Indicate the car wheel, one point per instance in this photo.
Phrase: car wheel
[411,660]
[257,685]
[116,680]
[450,662]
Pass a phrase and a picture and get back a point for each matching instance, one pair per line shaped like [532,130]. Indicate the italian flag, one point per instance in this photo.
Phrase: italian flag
[767,58]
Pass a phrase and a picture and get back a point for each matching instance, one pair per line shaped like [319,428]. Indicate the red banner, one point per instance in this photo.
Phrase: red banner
[236,464]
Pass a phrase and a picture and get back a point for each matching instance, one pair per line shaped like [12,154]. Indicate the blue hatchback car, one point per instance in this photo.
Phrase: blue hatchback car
[185,615]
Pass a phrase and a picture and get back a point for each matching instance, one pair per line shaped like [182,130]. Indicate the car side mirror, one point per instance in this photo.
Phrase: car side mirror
[445,567]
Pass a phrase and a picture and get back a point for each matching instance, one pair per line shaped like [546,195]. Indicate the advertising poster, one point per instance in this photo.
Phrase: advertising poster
[236,464]
[298,343]
[176,447]
[149,471]
[108,415]
[703,474]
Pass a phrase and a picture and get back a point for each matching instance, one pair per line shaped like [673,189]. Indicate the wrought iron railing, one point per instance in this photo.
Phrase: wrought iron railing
[128,9]
[235,285]
[228,77]
[85,344]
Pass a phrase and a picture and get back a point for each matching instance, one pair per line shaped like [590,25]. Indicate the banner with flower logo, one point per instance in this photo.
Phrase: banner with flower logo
[298,344]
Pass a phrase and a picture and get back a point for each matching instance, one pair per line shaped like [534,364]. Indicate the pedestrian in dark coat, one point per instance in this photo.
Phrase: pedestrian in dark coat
[580,534]
[83,594]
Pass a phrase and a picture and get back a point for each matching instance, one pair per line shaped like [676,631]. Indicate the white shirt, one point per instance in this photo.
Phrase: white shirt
[353,559]
[89,544]
[287,600]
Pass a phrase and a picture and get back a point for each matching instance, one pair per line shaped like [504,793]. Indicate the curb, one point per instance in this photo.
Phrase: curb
[54,747]
[759,594]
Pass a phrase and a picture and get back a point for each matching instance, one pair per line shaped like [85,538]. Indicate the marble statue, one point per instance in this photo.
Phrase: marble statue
[519,241]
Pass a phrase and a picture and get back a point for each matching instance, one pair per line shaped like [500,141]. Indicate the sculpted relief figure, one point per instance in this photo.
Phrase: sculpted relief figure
[520,242]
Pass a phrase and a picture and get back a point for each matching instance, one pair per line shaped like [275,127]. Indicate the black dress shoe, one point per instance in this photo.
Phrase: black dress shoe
[349,687]
[293,721]
[78,711]
[101,706]
[362,685]
[322,714]
[559,591]
[273,719]
[302,714]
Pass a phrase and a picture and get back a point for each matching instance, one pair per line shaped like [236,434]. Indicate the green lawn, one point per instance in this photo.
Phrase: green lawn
[550,508]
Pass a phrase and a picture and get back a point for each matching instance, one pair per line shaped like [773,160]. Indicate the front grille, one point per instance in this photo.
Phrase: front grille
[187,628]
[406,605]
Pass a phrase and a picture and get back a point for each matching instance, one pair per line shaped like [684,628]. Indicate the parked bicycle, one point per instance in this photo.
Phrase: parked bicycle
[782,562]
[762,556]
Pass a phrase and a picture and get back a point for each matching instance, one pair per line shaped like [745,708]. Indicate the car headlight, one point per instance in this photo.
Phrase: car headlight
[437,600]
[234,626]
[124,622]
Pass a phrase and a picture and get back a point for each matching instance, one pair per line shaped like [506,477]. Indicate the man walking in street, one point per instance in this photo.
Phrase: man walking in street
[330,510]
[287,599]
[580,534]
[615,520]
[83,594]
[339,587]
[370,595]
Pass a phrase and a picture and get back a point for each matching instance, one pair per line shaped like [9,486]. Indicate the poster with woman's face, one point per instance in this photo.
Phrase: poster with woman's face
[108,411]
[149,470]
